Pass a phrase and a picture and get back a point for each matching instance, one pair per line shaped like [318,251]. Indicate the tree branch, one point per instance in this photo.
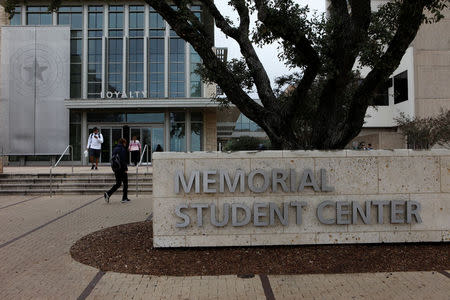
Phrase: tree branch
[241,36]
[305,54]
[204,47]
[410,18]
[286,29]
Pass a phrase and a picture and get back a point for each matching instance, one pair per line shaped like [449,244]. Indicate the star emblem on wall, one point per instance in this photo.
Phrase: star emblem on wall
[36,70]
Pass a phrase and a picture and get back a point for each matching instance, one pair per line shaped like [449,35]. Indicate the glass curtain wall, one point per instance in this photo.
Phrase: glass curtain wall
[177,71]
[39,15]
[156,59]
[196,131]
[136,51]
[178,132]
[195,60]
[17,17]
[73,16]
[115,49]
[166,51]
[75,134]
[95,34]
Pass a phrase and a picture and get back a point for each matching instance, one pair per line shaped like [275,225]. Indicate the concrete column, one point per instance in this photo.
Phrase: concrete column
[210,129]
[146,47]
[84,136]
[84,66]
[24,14]
[166,131]
[54,18]
[187,69]
[188,131]
[166,61]
[104,48]
[126,28]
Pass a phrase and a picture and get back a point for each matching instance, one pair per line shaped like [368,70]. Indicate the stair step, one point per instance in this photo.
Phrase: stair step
[62,186]
[70,175]
[69,191]
[68,180]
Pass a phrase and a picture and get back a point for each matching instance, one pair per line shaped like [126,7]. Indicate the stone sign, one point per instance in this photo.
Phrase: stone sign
[300,197]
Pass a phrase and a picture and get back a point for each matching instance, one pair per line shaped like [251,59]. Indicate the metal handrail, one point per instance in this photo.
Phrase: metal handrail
[54,166]
[137,166]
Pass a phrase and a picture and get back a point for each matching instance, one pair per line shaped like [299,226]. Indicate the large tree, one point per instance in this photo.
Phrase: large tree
[327,99]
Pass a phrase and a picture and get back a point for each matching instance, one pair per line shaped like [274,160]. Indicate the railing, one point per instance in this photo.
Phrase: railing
[140,162]
[54,166]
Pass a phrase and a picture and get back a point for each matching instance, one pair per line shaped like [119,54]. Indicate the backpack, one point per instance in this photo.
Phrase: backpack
[116,165]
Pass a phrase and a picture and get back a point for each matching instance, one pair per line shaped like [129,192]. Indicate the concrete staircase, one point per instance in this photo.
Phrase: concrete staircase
[68,183]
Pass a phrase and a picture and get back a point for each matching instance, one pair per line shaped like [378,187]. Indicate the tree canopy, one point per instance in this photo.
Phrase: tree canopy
[327,100]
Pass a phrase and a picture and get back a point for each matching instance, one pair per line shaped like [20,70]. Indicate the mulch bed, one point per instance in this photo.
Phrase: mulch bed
[128,249]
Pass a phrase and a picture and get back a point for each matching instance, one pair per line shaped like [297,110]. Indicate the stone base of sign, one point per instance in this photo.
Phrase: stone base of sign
[421,178]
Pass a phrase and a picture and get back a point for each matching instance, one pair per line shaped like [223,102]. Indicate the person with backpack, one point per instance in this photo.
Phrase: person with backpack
[119,166]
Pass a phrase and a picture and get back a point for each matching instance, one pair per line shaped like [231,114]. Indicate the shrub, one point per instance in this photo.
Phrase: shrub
[424,133]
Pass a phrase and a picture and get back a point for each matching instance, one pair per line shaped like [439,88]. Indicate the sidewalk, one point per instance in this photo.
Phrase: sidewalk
[37,233]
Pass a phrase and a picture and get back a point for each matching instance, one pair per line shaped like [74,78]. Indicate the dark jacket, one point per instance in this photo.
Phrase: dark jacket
[123,155]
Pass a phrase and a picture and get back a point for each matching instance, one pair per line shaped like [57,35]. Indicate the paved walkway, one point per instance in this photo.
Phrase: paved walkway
[37,233]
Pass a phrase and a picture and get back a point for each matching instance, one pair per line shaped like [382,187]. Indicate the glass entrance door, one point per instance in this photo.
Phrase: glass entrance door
[150,136]
[111,136]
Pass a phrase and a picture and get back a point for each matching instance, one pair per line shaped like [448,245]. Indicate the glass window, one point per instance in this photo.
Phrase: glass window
[136,17]
[196,82]
[115,49]
[95,24]
[106,117]
[145,117]
[156,55]
[177,132]
[196,131]
[157,24]
[39,15]
[115,17]
[245,124]
[382,94]
[197,10]
[156,68]
[177,68]
[73,16]
[115,56]
[95,17]
[136,51]
[17,17]
[75,134]
[401,87]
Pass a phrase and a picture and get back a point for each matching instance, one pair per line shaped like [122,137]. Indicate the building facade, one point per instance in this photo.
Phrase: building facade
[419,87]
[126,72]
[119,67]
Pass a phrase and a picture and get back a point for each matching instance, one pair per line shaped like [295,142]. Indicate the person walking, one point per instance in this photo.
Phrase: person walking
[94,147]
[120,151]
[135,150]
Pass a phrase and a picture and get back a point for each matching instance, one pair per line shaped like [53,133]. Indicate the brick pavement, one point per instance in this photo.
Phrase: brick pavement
[398,285]
[38,265]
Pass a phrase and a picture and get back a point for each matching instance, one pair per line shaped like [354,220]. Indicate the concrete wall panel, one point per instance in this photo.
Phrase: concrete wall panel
[383,179]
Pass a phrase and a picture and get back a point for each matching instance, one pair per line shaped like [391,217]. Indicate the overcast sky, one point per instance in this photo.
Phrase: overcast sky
[267,54]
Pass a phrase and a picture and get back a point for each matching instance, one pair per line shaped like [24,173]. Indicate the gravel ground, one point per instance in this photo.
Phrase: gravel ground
[129,249]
